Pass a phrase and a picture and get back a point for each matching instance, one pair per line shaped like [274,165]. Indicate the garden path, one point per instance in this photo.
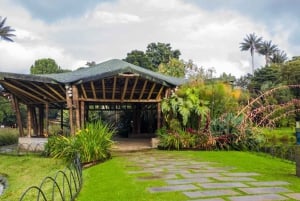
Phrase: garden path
[206,181]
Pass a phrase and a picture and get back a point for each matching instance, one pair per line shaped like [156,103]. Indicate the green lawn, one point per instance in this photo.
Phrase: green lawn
[110,180]
[25,171]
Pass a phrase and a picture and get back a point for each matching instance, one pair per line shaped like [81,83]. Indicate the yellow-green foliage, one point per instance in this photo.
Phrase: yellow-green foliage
[92,143]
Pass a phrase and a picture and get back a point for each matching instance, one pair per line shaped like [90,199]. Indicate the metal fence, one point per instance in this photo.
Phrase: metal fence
[284,152]
[63,186]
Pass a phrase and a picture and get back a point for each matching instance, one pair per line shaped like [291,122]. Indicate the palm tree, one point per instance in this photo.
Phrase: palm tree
[5,31]
[279,57]
[252,43]
[267,49]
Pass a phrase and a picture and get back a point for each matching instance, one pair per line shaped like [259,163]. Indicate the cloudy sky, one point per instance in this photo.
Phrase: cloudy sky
[206,31]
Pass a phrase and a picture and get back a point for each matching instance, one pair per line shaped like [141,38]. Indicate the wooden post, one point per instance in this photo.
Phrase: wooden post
[34,120]
[47,119]
[18,115]
[61,118]
[138,119]
[158,115]
[82,115]
[41,120]
[29,120]
[69,95]
[77,106]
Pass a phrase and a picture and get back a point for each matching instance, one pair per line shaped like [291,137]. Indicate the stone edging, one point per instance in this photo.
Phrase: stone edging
[3,184]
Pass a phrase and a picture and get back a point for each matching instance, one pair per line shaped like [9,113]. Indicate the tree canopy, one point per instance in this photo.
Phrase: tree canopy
[156,53]
[46,66]
[5,31]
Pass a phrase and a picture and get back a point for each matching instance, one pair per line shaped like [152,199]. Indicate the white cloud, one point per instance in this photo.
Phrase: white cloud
[112,29]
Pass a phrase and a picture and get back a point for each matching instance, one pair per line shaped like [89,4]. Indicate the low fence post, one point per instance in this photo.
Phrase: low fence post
[297,150]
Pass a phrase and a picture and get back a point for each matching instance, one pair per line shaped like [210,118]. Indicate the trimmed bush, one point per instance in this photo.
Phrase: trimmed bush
[92,143]
[8,136]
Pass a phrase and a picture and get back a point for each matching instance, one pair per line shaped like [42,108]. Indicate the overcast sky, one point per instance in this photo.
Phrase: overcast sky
[206,31]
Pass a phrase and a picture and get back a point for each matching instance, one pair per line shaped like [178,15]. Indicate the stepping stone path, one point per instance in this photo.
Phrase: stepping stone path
[206,181]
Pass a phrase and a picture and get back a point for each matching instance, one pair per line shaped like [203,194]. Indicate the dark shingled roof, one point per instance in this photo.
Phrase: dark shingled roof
[102,70]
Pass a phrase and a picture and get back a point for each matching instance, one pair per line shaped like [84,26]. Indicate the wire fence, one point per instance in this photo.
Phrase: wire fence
[284,152]
[64,185]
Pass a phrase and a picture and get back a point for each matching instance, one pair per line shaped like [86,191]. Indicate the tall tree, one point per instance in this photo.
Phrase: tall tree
[174,67]
[5,31]
[252,43]
[138,58]
[279,57]
[160,53]
[45,66]
[267,49]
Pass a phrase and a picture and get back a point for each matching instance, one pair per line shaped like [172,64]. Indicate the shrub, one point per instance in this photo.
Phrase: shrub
[179,139]
[92,143]
[8,136]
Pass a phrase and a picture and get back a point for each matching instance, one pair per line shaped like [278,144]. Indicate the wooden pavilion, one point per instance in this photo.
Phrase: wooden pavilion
[113,85]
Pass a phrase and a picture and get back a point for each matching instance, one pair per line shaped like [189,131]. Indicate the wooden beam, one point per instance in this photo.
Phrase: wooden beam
[124,89]
[63,89]
[28,87]
[159,93]
[120,101]
[103,89]
[93,89]
[15,88]
[83,91]
[133,88]
[46,92]
[151,91]
[143,90]
[114,88]
[55,91]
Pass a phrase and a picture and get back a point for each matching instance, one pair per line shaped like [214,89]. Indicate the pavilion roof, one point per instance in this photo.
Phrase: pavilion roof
[106,69]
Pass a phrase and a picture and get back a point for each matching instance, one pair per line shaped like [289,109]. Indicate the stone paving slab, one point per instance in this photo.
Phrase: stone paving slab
[223,185]
[241,174]
[264,190]
[265,197]
[167,175]
[198,175]
[210,193]
[269,183]
[234,179]
[210,171]
[189,181]
[173,188]
[295,196]
[150,178]
[209,199]
[178,171]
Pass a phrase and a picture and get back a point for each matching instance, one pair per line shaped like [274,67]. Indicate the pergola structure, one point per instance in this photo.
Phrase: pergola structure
[114,84]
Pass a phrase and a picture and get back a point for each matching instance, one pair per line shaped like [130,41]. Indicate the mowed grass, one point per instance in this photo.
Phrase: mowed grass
[111,180]
[25,171]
